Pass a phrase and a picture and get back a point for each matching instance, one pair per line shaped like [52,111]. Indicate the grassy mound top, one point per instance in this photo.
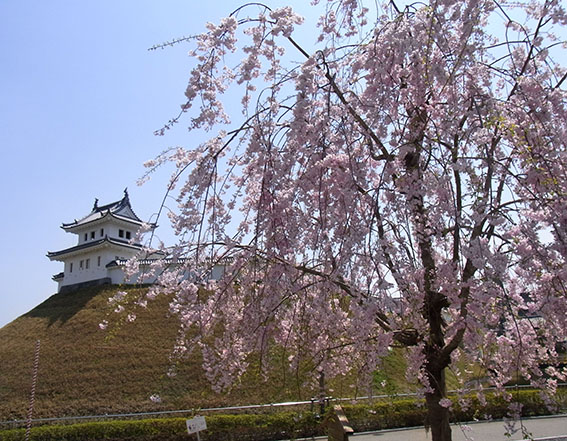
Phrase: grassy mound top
[84,372]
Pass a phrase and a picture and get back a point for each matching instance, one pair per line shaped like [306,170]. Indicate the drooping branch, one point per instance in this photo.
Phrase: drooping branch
[420,162]
[385,154]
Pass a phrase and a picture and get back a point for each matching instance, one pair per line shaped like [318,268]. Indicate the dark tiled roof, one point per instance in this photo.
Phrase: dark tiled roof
[120,209]
[94,243]
[58,277]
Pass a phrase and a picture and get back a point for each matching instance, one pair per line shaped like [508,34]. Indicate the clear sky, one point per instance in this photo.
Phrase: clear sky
[80,97]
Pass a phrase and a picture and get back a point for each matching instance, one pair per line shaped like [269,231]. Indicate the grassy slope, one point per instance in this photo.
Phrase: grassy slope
[82,371]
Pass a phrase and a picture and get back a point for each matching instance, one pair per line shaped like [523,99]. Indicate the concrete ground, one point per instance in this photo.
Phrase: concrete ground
[553,428]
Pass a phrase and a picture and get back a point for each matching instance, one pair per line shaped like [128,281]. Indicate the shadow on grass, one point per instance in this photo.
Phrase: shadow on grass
[63,306]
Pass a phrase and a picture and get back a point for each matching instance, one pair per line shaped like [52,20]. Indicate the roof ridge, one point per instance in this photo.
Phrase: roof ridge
[124,202]
[121,208]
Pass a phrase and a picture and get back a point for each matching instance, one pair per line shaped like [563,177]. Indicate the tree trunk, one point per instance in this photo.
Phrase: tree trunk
[437,415]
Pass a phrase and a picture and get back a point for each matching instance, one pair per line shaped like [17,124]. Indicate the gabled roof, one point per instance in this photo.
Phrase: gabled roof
[121,210]
[105,241]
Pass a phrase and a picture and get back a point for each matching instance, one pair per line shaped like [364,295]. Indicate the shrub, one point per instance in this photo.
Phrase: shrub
[411,412]
[284,425]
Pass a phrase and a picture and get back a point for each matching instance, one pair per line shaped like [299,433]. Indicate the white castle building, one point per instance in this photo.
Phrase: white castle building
[105,241]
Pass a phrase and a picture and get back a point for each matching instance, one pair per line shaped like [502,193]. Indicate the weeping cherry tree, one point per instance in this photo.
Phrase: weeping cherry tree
[397,178]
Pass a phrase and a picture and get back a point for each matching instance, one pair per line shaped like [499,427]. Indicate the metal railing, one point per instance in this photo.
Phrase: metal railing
[229,409]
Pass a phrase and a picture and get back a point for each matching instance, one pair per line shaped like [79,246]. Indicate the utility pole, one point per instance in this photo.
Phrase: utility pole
[322,394]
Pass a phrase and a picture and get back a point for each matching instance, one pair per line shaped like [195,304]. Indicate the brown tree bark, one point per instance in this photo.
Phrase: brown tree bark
[437,415]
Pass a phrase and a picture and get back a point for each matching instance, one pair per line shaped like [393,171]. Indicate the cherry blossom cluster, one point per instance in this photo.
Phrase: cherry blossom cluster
[402,183]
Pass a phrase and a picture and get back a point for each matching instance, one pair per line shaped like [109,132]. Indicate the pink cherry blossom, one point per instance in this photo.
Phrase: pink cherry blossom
[400,180]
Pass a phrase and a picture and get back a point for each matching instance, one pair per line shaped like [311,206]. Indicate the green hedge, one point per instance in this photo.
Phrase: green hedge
[411,412]
[282,425]
[266,427]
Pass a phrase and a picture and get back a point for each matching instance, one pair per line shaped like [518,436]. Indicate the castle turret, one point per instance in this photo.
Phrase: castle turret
[105,237]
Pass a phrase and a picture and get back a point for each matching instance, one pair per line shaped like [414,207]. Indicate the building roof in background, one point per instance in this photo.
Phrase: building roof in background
[121,210]
[105,241]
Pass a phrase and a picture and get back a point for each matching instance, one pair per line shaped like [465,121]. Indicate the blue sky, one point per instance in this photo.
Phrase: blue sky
[80,97]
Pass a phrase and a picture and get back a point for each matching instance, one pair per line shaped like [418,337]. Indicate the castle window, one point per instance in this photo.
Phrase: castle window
[86,237]
[101,232]
[92,234]
[71,267]
[81,264]
[120,233]
[87,263]
[128,235]
[98,261]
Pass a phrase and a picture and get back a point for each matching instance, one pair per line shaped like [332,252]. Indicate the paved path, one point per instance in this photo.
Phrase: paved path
[552,428]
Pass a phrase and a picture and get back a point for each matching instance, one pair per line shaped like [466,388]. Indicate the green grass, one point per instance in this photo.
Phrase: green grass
[83,371]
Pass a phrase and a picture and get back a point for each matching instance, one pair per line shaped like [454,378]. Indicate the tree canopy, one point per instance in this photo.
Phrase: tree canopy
[402,181]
